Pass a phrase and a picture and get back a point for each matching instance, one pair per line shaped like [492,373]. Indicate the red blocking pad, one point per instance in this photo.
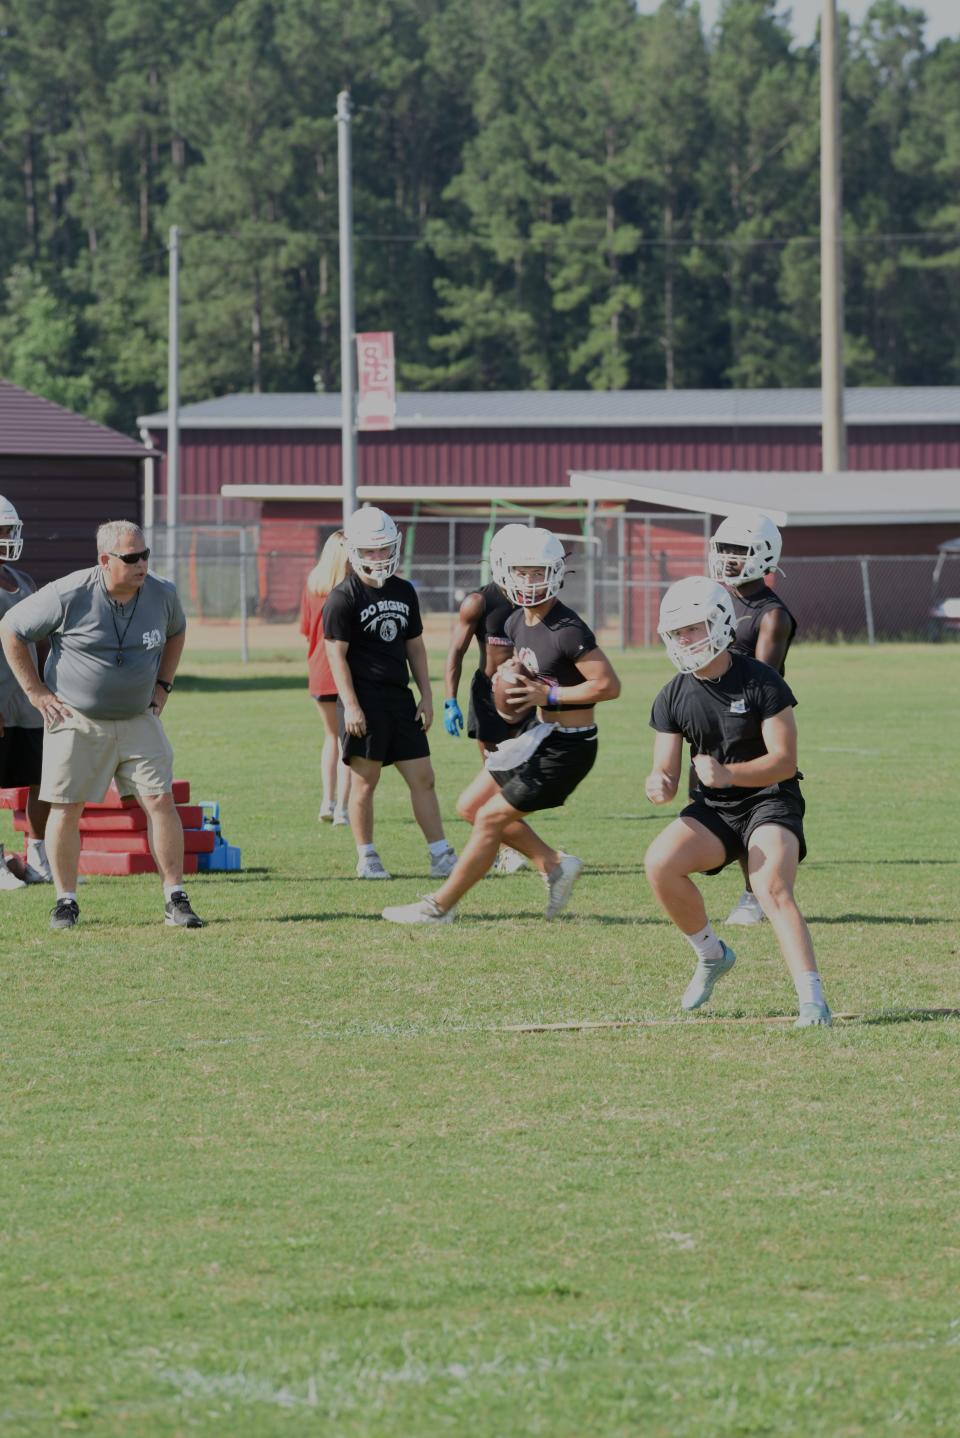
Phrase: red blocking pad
[113,800]
[13,798]
[195,841]
[93,861]
[120,821]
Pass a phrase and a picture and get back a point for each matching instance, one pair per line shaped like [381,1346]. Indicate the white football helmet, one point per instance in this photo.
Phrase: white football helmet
[518,547]
[758,541]
[696,600]
[370,528]
[11,545]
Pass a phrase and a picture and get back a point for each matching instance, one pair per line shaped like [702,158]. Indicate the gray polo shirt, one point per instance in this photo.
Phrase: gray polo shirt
[15,708]
[104,657]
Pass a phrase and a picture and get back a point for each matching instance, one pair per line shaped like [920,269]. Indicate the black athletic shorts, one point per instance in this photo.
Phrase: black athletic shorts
[734,827]
[549,776]
[393,730]
[21,757]
[483,721]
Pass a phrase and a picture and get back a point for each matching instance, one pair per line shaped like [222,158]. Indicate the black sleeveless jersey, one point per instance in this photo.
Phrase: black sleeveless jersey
[553,646]
[749,609]
[497,609]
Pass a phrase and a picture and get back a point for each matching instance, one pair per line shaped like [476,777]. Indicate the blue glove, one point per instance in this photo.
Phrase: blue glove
[452,718]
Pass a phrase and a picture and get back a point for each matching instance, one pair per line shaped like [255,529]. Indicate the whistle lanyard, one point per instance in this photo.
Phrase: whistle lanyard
[116,628]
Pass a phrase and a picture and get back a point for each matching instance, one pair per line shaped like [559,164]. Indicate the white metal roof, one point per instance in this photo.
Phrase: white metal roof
[915,496]
[422,493]
[568,409]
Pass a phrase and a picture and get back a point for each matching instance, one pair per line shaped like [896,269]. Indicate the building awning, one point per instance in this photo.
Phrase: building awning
[921,496]
[456,496]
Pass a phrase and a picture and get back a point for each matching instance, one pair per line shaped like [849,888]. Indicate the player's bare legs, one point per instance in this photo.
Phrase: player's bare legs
[517,834]
[365,778]
[774,854]
[684,848]
[495,819]
[418,776]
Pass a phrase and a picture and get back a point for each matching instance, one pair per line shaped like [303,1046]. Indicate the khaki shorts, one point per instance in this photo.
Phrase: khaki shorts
[82,755]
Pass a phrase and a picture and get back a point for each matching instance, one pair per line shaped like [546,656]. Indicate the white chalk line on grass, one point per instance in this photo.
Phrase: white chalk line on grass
[703,1023]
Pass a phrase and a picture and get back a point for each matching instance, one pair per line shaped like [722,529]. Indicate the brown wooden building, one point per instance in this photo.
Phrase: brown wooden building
[66,475]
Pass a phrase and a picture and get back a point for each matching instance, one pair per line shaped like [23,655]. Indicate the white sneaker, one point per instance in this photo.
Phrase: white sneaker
[560,882]
[508,861]
[747,910]
[424,911]
[371,867]
[8,879]
[442,865]
[340,817]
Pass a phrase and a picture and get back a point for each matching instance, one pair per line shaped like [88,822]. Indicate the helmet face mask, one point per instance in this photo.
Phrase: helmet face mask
[11,532]
[527,564]
[373,546]
[692,603]
[744,549]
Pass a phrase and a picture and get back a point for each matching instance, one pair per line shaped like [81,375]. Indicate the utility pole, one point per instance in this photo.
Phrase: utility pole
[348,428]
[173,401]
[834,437]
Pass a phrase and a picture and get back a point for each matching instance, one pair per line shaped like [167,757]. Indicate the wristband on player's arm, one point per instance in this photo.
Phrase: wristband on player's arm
[553,696]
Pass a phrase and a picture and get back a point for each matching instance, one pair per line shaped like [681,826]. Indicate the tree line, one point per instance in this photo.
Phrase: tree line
[548,194]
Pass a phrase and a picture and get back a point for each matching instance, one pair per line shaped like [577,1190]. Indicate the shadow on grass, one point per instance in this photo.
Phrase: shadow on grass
[910,1016]
[470,918]
[874,863]
[880,919]
[242,684]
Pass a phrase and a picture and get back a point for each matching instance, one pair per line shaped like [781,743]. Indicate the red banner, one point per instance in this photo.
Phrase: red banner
[377,405]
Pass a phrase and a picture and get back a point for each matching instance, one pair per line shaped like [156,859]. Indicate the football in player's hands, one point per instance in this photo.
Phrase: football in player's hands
[506,705]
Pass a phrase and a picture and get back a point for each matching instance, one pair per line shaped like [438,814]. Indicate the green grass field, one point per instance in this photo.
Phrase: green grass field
[295,1174]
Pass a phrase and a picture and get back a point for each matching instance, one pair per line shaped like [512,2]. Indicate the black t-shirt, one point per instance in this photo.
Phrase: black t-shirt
[749,610]
[497,609]
[553,646]
[376,623]
[722,717]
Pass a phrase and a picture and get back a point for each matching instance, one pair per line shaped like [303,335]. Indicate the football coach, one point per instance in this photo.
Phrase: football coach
[116,635]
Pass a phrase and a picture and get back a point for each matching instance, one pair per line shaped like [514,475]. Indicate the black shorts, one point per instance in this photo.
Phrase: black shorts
[734,827]
[549,776]
[483,721]
[21,757]
[393,730]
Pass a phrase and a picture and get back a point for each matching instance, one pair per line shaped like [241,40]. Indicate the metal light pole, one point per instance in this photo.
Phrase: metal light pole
[831,248]
[348,428]
[173,401]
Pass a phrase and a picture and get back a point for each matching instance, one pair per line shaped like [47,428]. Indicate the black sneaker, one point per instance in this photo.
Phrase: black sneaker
[178,913]
[64,914]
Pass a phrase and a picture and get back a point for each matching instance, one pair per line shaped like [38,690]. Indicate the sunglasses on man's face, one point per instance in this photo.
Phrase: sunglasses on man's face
[134,558]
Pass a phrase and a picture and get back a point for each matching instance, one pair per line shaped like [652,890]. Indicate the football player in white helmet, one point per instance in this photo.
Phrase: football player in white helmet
[745,549]
[561,672]
[21,725]
[482,616]
[373,636]
[737,716]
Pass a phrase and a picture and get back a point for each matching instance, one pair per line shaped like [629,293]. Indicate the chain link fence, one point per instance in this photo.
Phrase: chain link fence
[619,566]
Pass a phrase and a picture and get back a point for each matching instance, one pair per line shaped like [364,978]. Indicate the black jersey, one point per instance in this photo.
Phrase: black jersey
[497,609]
[552,646]
[722,717]
[376,623]
[749,609]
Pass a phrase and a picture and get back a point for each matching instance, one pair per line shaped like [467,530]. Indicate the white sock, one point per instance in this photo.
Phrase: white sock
[36,847]
[809,988]
[439,846]
[170,889]
[705,944]
[364,850]
[67,894]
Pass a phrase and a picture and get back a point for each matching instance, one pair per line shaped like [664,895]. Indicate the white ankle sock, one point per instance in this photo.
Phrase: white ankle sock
[364,850]
[67,894]
[705,944]
[810,988]
[170,889]
[439,846]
